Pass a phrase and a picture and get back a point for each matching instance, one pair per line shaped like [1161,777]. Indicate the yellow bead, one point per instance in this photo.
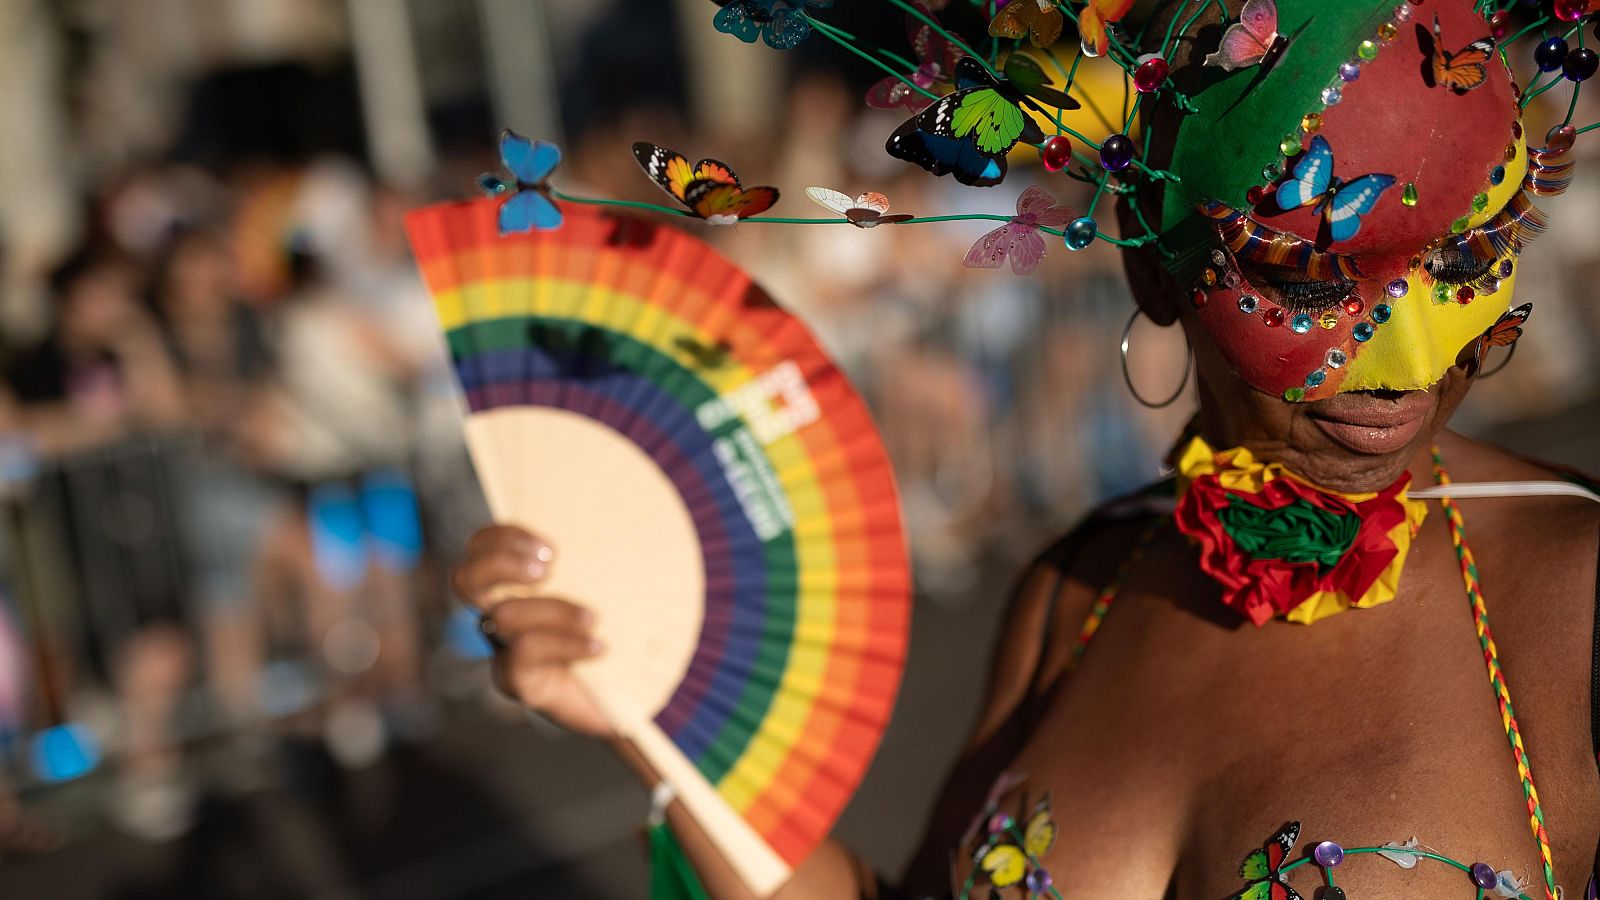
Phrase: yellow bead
[1311,123]
[1328,319]
[1387,32]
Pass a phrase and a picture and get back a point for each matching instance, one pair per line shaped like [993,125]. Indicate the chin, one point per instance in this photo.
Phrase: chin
[1363,440]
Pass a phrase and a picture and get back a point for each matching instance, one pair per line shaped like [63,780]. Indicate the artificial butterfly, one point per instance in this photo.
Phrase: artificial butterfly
[864,211]
[936,66]
[1019,239]
[1342,203]
[1095,21]
[708,188]
[1462,70]
[1040,21]
[1503,333]
[968,132]
[1262,866]
[1006,863]
[530,163]
[781,23]
[1252,40]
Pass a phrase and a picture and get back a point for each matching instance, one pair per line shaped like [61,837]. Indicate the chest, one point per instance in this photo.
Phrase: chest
[1185,740]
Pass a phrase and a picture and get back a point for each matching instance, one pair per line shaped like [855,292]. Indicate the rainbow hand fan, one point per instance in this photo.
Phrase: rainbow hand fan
[714,489]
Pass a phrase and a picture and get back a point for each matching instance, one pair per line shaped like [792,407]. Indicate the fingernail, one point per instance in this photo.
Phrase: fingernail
[536,569]
[545,553]
[595,646]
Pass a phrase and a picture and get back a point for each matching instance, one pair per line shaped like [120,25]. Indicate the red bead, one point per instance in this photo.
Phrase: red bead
[1465,295]
[1499,24]
[1150,74]
[1255,195]
[1571,10]
[1200,297]
[1273,317]
[1516,129]
[1057,153]
[1353,306]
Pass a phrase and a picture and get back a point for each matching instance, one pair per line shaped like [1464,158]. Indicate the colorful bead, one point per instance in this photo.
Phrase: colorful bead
[1255,195]
[1057,153]
[1199,298]
[1349,71]
[1248,304]
[1218,257]
[1271,172]
[1294,394]
[999,823]
[1316,378]
[1328,320]
[1209,277]
[1559,139]
[1327,854]
[1387,31]
[1491,285]
[1080,233]
[1402,13]
[1580,64]
[1416,262]
[1331,95]
[1380,313]
[1408,196]
[1311,123]
[1480,202]
[1367,50]
[1362,332]
[1038,881]
[1333,892]
[1516,130]
[1511,152]
[1442,293]
[1506,266]
[1290,145]
[1231,279]
[1116,152]
[1354,306]
[1483,873]
[1464,294]
[1459,225]
[1499,24]
[1300,324]
[1335,359]
[1273,317]
[1150,74]
[1398,288]
[1571,10]
[1497,174]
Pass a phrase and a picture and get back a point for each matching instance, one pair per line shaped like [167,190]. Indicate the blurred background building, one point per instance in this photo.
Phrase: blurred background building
[231,468]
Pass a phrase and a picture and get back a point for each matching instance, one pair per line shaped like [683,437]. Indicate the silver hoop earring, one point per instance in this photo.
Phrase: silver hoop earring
[1188,363]
[1510,352]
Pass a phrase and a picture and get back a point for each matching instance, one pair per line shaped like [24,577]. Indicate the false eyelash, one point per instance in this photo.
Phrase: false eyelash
[1254,242]
[1311,296]
[1549,171]
[1507,233]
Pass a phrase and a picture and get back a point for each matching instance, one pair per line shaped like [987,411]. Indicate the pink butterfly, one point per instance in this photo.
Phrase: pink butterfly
[936,68]
[1019,239]
[1251,40]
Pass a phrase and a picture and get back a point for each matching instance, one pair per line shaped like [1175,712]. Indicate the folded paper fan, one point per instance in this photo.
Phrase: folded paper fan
[714,489]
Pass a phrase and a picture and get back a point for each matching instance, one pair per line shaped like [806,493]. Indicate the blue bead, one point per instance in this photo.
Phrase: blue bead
[1038,881]
[1300,324]
[1362,332]
[1497,174]
[1550,54]
[1349,71]
[1116,152]
[1315,378]
[1380,313]
[1080,233]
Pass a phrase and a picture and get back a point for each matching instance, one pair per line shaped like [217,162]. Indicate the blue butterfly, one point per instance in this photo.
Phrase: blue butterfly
[1342,203]
[782,23]
[530,163]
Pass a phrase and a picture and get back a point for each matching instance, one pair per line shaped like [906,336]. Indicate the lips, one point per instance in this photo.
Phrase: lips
[1372,422]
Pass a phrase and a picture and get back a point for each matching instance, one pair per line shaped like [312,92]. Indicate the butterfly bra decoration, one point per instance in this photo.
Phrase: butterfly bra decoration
[1342,203]
[1040,21]
[530,163]
[1261,868]
[1019,239]
[968,133]
[781,23]
[709,189]
[1011,857]
[865,211]
[936,67]
[1253,40]
[1460,71]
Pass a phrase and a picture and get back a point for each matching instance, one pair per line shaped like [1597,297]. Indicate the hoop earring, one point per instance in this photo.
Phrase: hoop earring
[1188,363]
[1510,352]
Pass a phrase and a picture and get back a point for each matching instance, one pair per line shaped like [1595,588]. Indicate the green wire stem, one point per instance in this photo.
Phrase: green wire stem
[827,31]
[1352,851]
[941,31]
[890,54]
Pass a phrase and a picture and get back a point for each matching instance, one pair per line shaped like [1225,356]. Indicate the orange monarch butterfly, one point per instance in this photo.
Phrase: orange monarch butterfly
[1464,69]
[1503,333]
[708,188]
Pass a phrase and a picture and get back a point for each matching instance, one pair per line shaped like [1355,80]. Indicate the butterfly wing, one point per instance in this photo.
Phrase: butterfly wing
[1037,202]
[873,201]
[666,168]
[788,26]
[990,120]
[1247,41]
[925,139]
[736,19]
[714,170]
[721,203]
[1040,22]
[1508,329]
[892,93]
[1313,174]
[1005,865]
[1353,200]
[1466,68]
[529,161]
[1024,74]
[829,199]
[527,210]
[989,251]
[1095,21]
[970,74]
[1040,835]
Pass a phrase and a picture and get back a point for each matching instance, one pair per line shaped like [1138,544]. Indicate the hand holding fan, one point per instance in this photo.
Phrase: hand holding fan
[715,491]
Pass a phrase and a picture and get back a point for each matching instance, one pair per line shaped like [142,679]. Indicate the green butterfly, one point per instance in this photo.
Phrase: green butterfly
[969,131]
[1261,868]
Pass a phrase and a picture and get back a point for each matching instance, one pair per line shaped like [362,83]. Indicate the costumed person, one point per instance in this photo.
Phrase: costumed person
[1285,653]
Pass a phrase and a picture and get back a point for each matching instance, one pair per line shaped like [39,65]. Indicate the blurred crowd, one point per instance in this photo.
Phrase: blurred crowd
[230,454]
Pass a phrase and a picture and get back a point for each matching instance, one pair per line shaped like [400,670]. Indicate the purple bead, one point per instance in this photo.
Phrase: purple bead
[1349,71]
[1328,854]
[1506,267]
[1398,287]
[1483,875]
[1038,881]
[1550,54]
[1116,152]
[1580,64]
